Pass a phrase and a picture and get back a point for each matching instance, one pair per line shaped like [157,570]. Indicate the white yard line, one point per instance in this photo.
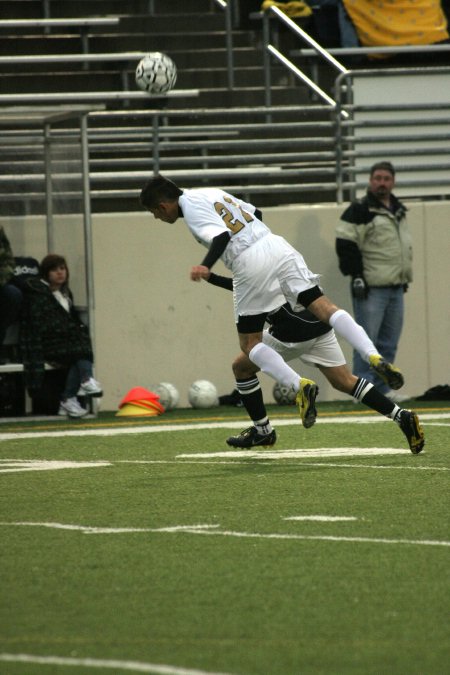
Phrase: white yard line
[87,529]
[135,666]
[26,465]
[322,519]
[23,465]
[212,530]
[237,424]
[296,453]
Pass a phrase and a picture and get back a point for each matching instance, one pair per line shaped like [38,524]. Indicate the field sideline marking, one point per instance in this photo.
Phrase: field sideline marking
[212,530]
[114,431]
[136,666]
[25,465]
[323,464]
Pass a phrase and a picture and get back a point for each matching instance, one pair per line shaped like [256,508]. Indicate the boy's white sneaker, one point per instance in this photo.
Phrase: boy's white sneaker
[90,387]
[72,408]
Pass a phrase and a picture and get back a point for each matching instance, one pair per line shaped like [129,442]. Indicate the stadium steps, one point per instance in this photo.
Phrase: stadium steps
[34,9]
[111,78]
[261,159]
[101,40]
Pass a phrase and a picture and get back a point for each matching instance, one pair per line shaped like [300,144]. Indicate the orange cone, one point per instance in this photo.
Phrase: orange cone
[138,393]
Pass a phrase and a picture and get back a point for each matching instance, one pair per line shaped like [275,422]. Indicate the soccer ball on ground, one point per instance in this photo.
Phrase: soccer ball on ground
[168,395]
[283,395]
[156,73]
[203,394]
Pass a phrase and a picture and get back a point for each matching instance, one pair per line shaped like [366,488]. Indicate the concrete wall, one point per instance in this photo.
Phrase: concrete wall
[153,324]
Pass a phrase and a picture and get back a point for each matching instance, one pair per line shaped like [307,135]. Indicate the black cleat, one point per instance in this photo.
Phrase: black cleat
[409,424]
[306,401]
[250,437]
[391,375]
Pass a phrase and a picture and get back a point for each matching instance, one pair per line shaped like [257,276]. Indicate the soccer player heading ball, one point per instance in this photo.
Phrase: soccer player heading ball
[267,273]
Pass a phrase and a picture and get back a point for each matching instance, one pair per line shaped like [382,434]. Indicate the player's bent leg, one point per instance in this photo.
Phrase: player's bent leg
[272,364]
[249,388]
[363,391]
[356,336]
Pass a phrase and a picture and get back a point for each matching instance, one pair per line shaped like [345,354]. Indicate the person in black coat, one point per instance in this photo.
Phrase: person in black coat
[52,332]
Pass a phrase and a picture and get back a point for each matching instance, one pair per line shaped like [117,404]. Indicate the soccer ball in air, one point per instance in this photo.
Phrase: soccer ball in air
[203,394]
[168,395]
[156,73]
[283,395]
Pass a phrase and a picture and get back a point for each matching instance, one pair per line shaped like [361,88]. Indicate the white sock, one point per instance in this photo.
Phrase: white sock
[346,326]
[263,426]
[395,414]
[271,363]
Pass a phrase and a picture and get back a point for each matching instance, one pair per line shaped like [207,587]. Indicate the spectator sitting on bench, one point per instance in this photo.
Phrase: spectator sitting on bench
[53,333]
[10,295]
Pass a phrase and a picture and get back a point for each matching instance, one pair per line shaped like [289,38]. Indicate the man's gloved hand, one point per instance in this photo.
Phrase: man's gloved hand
[360,289]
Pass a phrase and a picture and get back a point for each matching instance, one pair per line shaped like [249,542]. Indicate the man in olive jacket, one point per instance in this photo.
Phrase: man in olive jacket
[374,247]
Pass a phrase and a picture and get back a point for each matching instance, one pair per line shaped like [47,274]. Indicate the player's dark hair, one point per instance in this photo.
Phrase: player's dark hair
[382,166]
[157,190]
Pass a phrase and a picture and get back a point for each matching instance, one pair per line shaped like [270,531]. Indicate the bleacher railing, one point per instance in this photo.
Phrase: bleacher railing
[428,172]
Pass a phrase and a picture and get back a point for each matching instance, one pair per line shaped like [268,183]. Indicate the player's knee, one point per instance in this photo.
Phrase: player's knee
[323,308]
[248,340]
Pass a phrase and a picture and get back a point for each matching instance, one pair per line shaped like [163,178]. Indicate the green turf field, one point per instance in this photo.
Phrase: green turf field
[147,545]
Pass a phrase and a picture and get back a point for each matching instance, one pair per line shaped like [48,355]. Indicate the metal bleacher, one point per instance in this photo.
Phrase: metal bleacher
[203,131]
[251,121]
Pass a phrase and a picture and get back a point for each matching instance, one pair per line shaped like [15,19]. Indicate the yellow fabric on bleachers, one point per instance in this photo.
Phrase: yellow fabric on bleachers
[296,8]
[397,22]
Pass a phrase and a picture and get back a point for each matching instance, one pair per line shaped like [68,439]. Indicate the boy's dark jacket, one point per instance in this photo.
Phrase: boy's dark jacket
[49,334]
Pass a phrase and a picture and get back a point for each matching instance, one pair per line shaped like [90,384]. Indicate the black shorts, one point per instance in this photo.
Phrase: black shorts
[252,323]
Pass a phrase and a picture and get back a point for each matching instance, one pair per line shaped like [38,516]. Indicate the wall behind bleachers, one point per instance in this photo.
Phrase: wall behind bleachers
[153,324]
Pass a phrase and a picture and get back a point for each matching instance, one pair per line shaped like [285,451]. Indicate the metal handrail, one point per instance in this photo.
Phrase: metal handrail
[309,40]
[271,49]
[301,75]
[226,6]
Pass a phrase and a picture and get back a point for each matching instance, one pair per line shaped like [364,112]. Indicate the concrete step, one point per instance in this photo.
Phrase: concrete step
[34,9]
[50,80]
[70,42]
[133,23]
[199,59]
[250,96]
[119,7]
[180,23]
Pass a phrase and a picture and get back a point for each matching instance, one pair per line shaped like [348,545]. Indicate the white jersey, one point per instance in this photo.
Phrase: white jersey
[208,212]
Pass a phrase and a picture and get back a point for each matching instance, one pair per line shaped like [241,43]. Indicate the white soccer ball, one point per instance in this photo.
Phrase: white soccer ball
[283,395]
[203,394]
[156,73]
[168,395]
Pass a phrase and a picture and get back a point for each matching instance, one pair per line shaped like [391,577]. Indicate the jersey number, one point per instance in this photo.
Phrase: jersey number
[232,222]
